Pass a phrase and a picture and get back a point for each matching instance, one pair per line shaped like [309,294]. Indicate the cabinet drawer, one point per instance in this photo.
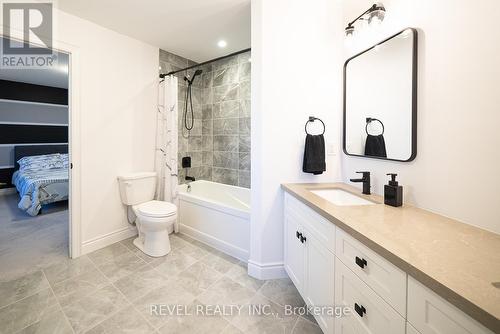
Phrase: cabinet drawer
[382,276]
[375,315]
[431,314]
[323,229]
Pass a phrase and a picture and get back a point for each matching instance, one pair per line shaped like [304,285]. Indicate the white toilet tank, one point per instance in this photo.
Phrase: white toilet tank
[137,188]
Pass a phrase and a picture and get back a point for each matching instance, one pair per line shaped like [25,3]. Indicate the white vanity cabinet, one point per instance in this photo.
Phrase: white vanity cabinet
[308,261]
[329,267]
[431,314]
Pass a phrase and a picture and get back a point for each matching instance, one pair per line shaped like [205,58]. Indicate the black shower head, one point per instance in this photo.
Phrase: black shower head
[197,72]
[190,82]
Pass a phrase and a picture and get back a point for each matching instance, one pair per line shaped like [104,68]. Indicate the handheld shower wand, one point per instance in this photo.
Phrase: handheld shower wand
[189,99]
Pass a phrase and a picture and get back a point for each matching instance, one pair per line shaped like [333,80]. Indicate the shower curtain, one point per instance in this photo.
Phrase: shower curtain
[166,143]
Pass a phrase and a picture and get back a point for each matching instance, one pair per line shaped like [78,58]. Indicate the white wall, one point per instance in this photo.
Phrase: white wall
[456,169]
[118,79]
[296,72]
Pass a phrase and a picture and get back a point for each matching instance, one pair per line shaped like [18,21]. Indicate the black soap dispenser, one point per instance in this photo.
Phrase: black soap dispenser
[393,193]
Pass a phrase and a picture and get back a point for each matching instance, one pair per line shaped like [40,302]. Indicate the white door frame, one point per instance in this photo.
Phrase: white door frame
[74,138]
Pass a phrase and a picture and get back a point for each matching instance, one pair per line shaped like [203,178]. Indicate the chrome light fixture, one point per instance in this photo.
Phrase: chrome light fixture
[375,15]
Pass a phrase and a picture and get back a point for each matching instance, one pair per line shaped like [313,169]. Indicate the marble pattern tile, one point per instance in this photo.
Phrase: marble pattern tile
[244,161]
[226,143]
[227,109]
[245,126]
[244,179]
[171,293]
[303,326]
[245,89]
[207,127]
[207,143]
[224,175]
[140,283]
[196,158]
[226,160]
[27,311]
[230,329]
[77,287]
[225,76]
[245,108]
[239,274]
[225,126]
[198,277]
[226,93]
[223,63]
[89,311]
[108,253]
[121,266]
[244,143]
[226,292]
[206,111]
[244,71]
[282,291]
[51,323]
[208,158]
[173,263]
[67,269]
[219,261]
[194,143]
[277,322]
[128,320]
[16,289]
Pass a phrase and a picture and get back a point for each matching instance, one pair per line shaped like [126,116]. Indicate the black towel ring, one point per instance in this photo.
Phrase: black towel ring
[369,120]
[312,119]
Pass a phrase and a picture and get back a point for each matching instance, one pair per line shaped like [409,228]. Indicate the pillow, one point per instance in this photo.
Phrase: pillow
[40,162]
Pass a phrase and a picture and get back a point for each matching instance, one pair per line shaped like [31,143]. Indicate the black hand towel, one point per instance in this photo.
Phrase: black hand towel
[375,146]
[314,155]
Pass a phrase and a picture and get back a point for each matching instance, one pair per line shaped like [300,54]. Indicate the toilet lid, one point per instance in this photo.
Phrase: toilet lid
[157,209]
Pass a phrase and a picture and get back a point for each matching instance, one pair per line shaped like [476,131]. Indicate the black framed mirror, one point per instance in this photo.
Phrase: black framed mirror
[380,100]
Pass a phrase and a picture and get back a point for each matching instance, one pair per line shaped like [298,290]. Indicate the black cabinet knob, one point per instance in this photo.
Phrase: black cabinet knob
[360,309]
[361,262]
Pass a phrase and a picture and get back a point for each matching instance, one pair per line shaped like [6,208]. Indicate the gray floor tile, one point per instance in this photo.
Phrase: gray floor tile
[89,311]
[173,263]
[16,289]
[226,292]
[198,278]
[272,319]
[27,311]
[219,261]
[108,253]
[230,329]
[239,274]
[282,291]
[194,251]
[197,321]
[70,268]
[121,266]
[129,243]
[138,284]
[51,323]
[306,327]
[127,320]
[170,294]
[73,289]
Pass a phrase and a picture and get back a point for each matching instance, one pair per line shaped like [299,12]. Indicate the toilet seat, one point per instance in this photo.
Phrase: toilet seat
[156,209]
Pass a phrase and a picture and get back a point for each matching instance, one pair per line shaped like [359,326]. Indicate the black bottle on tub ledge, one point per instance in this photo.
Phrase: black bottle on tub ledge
[393,193]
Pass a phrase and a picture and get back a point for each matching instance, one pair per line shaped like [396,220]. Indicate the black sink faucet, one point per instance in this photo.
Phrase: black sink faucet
[366,182]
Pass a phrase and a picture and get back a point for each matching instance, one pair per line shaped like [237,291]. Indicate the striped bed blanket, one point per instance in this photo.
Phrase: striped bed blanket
[40,187]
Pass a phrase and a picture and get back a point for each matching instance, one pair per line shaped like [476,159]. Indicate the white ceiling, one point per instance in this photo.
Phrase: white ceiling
[188,28]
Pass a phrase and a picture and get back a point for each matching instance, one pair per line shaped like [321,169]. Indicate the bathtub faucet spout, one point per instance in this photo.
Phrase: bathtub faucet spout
[190,178]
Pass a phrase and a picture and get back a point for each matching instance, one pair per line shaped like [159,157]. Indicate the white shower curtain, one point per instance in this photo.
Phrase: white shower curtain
[166,143]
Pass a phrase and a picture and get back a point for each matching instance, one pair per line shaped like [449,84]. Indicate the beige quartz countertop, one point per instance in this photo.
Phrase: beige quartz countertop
[457,261]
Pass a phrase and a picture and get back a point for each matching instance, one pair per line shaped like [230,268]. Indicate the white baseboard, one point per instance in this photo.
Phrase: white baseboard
[265,271]
[7,191]
[232,250]
[108,239]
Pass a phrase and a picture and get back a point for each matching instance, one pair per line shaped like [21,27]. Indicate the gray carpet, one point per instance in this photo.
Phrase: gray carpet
[29,243]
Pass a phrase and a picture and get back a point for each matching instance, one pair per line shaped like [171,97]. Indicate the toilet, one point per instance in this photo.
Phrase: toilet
[154,219]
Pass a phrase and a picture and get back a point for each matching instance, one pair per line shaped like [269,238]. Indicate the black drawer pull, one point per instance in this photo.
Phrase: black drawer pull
[360,309]
[298,234]
[303,239]
[361,262]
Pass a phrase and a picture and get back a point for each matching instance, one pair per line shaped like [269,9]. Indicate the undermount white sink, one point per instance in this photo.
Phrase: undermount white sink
[341,197]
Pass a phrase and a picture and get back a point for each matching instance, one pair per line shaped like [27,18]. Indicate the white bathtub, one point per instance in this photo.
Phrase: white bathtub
[218,215]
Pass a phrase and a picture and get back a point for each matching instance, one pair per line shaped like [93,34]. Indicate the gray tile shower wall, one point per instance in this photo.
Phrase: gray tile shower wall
[219,143]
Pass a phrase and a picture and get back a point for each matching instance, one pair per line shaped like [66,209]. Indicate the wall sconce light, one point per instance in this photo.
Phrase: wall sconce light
[374,15]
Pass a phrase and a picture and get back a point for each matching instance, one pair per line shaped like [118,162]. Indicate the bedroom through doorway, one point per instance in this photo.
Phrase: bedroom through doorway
[34,166]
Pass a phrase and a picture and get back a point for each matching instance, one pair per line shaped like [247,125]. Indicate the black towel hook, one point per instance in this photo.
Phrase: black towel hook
[371,119]
[312,119]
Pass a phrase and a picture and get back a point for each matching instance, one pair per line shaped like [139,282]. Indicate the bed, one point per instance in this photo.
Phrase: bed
[41,181]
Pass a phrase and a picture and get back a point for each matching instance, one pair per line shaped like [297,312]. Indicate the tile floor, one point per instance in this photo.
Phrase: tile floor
[112,290]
